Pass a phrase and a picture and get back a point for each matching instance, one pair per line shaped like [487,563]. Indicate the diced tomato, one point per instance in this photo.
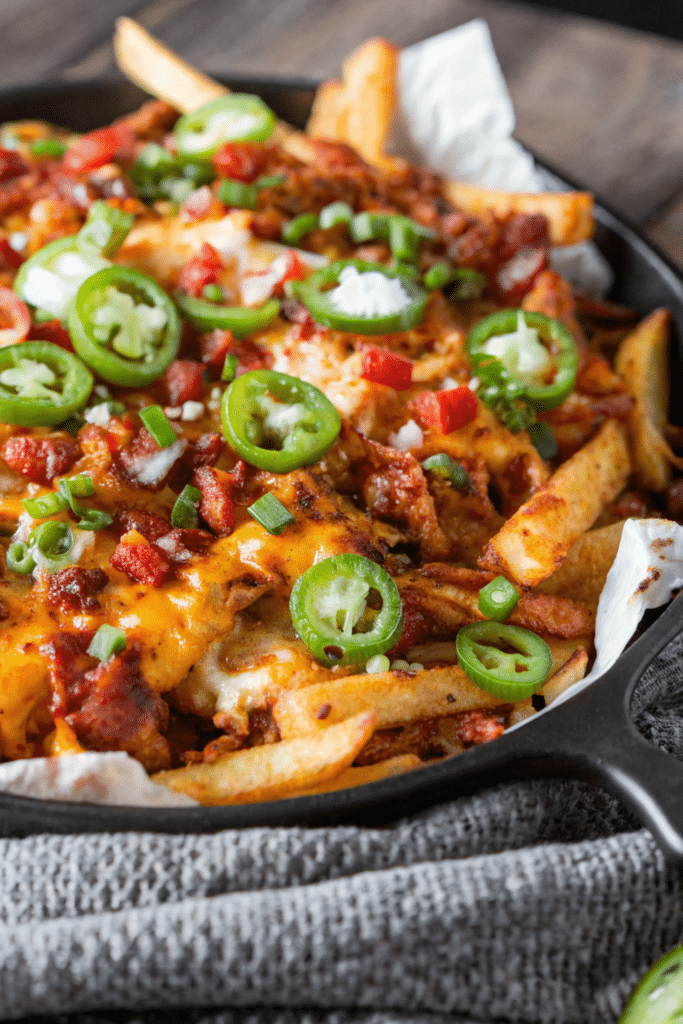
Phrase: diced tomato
[215,347]
[15,319]
[242,161]
[143,563]
[294,270]
[183,381]
[51,330]
[446,411]
[9,257]
[198,204]
[380,366]
[201,270]
[98,148]
[12,164]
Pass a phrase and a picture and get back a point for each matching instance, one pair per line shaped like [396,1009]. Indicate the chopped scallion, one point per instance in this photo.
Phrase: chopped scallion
[237,194]
[335,213]
[159,427]
[19,558]
[184,515]
[447,467]
[293,232]
[497,599]
[271,513]
[229,368]
[48,147]
[45,505]
[107,640]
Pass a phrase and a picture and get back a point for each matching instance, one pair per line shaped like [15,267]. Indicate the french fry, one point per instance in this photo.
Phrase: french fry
[273,770]
[582,575]
[534,542]
[351,777]
[570,214]
[642,360]
[161,73]
[395,697]
[571,672]
[359,110]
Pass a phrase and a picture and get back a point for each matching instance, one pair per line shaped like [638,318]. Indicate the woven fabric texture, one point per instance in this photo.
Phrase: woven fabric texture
[531,902]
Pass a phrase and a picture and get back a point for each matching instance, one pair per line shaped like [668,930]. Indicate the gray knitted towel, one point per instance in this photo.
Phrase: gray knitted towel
[539,902]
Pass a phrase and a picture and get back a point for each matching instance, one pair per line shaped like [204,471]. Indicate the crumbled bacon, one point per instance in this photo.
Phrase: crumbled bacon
[218,344]
[206,450]
[150,525]
[480,727]
[214,347]
[181,544]
[41,459]
[217,507]
[12,164]
[143,563]
[201,270]
[145,464]
[183,381]
[73,589]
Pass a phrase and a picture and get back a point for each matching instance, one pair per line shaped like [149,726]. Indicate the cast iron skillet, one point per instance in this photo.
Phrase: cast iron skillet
[590,736]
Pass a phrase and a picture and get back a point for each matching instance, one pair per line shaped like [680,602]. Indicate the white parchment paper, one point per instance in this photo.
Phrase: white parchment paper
[455,115]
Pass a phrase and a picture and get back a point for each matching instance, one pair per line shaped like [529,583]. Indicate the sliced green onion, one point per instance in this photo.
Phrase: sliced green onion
[447,467]
[184,515]
[293,232]
[379,663]
[237,194]
[541,437]
[467,283]
[497,600]
[271,513]
[45,505]
[229,368]
[107,641]
[403,240]
[335,213]
[19,558]
[159,427]
[54,540]
[213,293]
[94,519]
[105,228]
[81,486]
[49,147]
[270,181]
[437,276]
[154,158]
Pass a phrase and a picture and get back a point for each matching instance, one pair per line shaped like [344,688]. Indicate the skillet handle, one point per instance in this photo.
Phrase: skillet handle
[592,736]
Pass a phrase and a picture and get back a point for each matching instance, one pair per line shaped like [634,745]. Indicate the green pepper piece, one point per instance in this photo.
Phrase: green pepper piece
[241,320]
[237,117]
[333,214]
[124,326]
[447,467]
[278,422]
[658,999]
[330,599]
[105,229]
[402,233]
[41,384]
[293,232]
[237,194]
[467,283]
[51,277]
[326,308]
[560,345]
[510,676]
[185,511]
[54,148]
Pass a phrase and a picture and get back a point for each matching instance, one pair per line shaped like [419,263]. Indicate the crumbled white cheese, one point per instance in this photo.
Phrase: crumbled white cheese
[191,411]
[368,294]
[100,414]
[473,384]
[173,412]
[151,469]
[18,240]
[407,437]
[521,353]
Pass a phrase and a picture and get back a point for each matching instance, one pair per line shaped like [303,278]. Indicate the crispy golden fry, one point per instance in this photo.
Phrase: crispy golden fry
[570,214]
[163,74]
[571,672]
[643,362]
[396,698]
[359,110]
[534,542]
[275,769]
[582,575]
[366,773]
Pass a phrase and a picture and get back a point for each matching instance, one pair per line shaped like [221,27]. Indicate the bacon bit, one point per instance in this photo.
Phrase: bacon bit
[51,330]
[137,461]
[12,164]
[183,381]
[41,459]
[217,507]
[201,270]
[242,161]
[93,442]
[480,727]
[523,231]
[10,259]
[72,589]
[381,366]
[206,450]
[147,524]
[119,433]
[69,662]
[446,411]
[98,148]
[214,347]
[181,544]
[143,563]
[268,224]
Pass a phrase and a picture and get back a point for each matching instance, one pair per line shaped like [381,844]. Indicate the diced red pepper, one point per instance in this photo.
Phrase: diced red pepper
[201,270]
[242,161]
[183,381]
[446,411]
[51,330]
[10,259]
[12,164]
[143,563]
[98,148]
[15,319]
[380,366]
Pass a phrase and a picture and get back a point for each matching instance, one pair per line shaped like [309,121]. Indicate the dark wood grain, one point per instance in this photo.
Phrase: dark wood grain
[604,103]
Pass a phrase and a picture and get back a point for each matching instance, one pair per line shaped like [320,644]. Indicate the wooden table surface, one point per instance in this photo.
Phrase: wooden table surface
[602,102]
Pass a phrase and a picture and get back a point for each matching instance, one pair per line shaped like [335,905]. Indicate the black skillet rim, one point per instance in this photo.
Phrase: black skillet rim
[375,803]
